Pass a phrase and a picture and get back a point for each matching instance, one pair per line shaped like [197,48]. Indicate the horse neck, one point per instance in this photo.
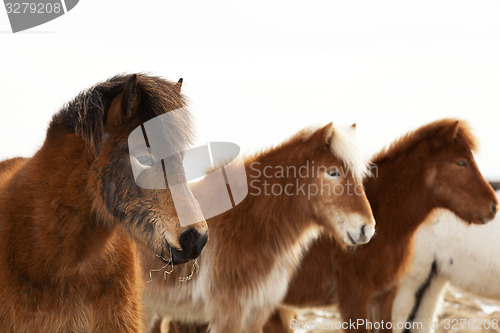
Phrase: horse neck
[61,165]
[276,219]
[50,195]
[399,199]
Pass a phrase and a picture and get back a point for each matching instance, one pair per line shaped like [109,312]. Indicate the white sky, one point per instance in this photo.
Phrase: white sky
[257,72]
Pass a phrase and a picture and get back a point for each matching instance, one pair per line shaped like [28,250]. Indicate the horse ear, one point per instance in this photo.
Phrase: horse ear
[450,132]
[446,134]
[454,130]
[93,126]
[130,97]
[178,85]
[328,133]
[125,104]
[324,135]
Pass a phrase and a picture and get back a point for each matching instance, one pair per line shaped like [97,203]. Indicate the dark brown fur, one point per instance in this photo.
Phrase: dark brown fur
[70,213]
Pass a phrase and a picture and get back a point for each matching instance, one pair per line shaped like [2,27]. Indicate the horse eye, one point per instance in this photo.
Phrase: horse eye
[462,163]
[334,173]
[145,160]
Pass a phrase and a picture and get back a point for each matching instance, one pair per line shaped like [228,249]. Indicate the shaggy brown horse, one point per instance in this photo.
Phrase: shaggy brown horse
[309,183]
[428,168]
[70,214]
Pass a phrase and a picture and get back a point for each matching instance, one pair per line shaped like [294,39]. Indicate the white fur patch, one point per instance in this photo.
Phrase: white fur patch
[465,255]
[272,290]
[345,146]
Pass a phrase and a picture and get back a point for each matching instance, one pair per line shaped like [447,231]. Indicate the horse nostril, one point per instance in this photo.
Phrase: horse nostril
[494,207]
[363,230]
[192,242]
[187,238]
[202,241]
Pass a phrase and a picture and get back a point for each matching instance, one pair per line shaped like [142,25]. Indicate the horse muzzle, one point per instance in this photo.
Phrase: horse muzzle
[192,243]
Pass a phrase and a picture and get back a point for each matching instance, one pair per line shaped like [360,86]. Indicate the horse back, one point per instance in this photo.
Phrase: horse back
[9,167]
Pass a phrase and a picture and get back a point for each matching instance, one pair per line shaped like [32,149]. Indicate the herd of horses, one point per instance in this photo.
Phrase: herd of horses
[83,248]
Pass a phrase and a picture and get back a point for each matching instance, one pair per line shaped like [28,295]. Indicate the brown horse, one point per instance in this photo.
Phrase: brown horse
[428,168]
[255,247]
[70,214]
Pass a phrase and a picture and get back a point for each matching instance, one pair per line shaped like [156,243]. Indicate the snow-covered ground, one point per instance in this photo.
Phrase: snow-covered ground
[458,305]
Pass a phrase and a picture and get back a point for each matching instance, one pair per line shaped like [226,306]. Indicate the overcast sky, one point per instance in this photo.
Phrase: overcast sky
[257,72]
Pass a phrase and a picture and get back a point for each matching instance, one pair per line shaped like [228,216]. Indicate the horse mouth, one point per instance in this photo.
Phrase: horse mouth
[175,258]
[170,258]
[485,220]
[351,239]
[190,251]
[362,239]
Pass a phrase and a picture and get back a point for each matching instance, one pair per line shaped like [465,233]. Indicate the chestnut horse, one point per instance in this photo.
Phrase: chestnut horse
[311,182]
[428,168]
[70,215]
